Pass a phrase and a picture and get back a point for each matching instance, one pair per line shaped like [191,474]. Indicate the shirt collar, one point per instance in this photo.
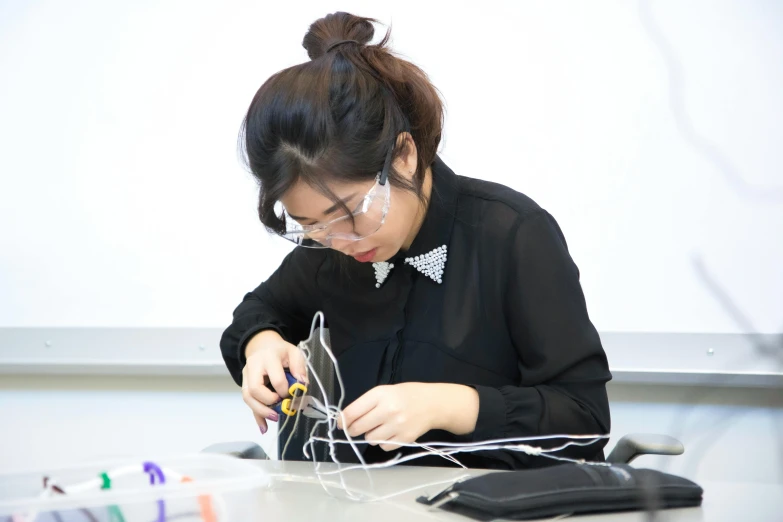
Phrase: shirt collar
[436,228]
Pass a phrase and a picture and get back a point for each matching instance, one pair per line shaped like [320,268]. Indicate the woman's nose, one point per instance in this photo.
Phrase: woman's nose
[341,245]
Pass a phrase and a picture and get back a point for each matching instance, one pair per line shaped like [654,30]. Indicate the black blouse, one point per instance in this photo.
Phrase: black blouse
[509,319]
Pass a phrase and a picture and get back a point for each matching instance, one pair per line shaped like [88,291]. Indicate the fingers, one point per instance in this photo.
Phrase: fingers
[262,425]
[259,409]
[277,379]
[259,391]
[296,363]
[382,433]
[367,422]
[391,446]
[358,409]
[267,353]
[264,395]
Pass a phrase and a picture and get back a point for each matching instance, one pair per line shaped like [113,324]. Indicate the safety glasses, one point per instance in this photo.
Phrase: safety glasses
[366,219]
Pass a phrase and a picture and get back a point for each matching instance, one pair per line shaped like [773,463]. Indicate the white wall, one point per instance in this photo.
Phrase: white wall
[729,434]
[123,203]
[106,417]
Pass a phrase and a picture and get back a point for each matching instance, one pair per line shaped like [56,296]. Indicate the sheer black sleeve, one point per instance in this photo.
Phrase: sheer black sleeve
[562,363]
[286,302]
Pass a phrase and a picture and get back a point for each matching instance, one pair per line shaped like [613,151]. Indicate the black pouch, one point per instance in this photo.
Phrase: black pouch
[566,489]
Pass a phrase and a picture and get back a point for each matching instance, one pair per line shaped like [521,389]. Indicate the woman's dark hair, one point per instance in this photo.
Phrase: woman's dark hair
[337,116]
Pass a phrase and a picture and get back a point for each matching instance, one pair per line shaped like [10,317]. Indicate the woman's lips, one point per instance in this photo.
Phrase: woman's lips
[365,257]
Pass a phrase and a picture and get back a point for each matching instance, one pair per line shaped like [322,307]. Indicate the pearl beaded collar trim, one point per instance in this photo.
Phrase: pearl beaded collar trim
[382,270]
[430,264]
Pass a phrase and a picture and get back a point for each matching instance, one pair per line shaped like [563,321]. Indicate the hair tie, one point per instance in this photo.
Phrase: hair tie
[341,42]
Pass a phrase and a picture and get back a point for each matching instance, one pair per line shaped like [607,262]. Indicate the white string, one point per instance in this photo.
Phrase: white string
[445,456]
[530,450]
[490,441]
[280,429]
[441,449]
[334,412]
[315,480]
[330,420]
[293,431]
[331,411]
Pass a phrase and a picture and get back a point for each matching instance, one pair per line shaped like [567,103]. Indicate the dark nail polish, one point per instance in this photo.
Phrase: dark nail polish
[273,417]
[263,430]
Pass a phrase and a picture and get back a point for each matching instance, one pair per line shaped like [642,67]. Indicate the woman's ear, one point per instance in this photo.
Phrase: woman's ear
[407,161]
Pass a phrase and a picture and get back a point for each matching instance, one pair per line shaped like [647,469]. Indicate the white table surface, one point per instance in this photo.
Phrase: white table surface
[293,500]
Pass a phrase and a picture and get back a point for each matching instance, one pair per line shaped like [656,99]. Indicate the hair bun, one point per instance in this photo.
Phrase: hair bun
[336,29]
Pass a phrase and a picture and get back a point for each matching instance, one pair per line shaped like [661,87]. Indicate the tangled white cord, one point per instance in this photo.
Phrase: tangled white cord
[445,450]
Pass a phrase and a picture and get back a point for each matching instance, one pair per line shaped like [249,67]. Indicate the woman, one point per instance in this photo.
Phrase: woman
[455,311]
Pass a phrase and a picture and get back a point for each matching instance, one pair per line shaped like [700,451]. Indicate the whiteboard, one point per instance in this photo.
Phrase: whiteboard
[650,130]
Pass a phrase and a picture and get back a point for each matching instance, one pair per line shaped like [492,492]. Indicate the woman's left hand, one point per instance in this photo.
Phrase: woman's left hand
[404,412]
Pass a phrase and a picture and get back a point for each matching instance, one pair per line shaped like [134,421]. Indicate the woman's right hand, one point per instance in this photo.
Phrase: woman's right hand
[268,355]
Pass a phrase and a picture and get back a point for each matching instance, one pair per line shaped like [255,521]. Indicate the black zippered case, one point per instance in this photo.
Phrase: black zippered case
[566,489]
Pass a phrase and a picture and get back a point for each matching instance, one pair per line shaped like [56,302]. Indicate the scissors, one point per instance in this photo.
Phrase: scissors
[299,400]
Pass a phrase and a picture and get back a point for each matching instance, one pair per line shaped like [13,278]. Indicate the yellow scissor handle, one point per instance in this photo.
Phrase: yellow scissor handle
[297,386]
[285,407]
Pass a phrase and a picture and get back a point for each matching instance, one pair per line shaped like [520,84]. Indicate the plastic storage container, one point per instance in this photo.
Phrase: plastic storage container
[202,487]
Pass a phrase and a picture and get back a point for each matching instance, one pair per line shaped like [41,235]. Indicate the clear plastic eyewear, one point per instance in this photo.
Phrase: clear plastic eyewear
[366,219]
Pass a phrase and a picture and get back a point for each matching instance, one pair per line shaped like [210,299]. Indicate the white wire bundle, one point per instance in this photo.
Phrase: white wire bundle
[442,449]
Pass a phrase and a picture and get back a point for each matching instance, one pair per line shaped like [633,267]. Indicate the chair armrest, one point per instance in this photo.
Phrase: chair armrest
[239,449]
[636,444]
